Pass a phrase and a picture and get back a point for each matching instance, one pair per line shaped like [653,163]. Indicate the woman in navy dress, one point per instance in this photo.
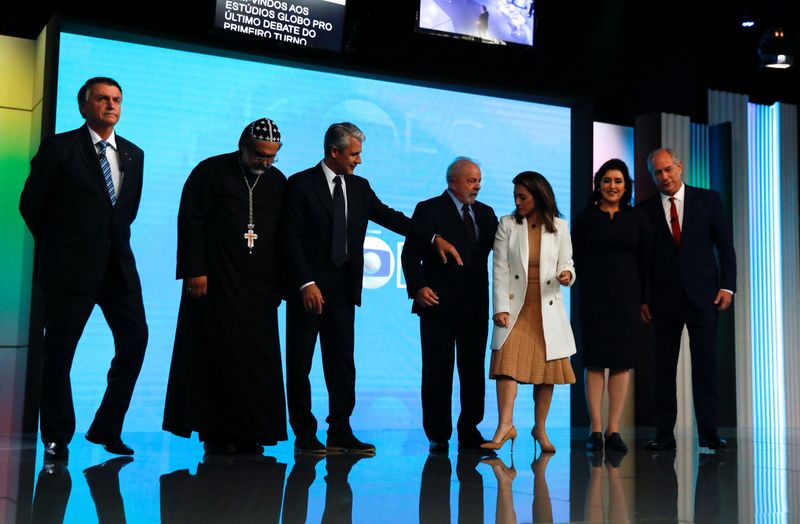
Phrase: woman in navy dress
[611,242]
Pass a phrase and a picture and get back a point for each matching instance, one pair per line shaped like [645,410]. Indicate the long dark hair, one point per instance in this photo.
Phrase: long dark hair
[543,198]
[614,164]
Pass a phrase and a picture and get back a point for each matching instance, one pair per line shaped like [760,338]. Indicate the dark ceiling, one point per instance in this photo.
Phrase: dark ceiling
[629,57]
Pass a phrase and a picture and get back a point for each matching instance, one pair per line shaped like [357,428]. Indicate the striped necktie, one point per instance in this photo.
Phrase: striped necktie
[106,168]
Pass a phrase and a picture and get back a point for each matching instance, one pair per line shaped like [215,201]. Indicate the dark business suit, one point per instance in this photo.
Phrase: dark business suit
[307,223]
[683,283]
[83,257]
[461,319]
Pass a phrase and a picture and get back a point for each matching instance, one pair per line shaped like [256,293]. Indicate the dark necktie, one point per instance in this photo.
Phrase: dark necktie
[106,168]
[469,224]
[339,238]
[674,222]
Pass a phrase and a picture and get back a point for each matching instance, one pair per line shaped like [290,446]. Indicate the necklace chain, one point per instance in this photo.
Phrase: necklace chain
[250,189]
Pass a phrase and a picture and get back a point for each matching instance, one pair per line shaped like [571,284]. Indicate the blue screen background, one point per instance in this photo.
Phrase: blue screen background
[182,107]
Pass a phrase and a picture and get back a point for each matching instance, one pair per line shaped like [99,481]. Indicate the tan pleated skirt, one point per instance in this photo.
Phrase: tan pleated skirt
[522,356]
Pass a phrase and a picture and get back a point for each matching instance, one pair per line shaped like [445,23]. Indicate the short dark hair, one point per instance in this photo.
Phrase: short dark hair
[83,92]
[611,165]
[543,198]
[338,136]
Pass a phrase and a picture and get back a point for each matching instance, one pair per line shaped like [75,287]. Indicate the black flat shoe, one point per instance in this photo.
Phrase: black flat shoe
[614,442]
[112,445]
[55,450]
[594,442]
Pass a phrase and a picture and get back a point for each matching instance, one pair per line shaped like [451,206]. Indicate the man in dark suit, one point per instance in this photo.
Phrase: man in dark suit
[453,305]
[689,286]
[326,211]
[79,201]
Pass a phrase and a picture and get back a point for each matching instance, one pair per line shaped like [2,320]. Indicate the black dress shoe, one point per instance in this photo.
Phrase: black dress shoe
[712,441]
[594,442]
[310,445]
[438,446]
[660,443]
[472,445]
[614,442]
[55,450]
[349,444]
[112,445]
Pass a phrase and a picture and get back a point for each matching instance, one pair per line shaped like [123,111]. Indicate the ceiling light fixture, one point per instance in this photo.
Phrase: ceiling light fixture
[775,50]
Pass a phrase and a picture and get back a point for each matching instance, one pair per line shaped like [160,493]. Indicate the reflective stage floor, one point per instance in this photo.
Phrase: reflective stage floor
[169,480]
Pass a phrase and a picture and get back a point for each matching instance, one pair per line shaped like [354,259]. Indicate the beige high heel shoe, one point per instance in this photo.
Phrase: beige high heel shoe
[546,448]
[510,434]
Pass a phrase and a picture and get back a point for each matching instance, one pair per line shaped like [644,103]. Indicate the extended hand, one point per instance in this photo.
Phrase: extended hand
[444,248]
[197,287]
[564,277]
[500,319]
[427,297]
[723,300]
[312,299]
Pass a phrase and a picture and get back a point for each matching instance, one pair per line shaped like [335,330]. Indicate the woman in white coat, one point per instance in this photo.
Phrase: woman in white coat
[532,338]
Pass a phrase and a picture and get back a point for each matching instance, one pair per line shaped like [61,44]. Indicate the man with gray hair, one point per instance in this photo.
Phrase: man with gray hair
[692,277]
[226,380]
[326,212]
[453,305]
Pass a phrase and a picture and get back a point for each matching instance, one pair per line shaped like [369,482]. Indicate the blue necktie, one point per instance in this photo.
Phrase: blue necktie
[106,168]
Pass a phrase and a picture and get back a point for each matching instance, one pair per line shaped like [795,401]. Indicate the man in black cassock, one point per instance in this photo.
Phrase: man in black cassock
[225,381]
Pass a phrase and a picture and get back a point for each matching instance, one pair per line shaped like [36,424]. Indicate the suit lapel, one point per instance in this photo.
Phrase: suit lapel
[322,190]
[522,238]
[126,170]
[688,200]
[658,218]
[452,216]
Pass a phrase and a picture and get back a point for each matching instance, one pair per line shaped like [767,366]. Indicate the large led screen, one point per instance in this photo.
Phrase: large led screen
[496,21]
[182,107]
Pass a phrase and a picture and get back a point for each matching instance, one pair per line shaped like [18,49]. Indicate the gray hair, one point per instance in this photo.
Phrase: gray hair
[453,167]
[675,159]
[338,136]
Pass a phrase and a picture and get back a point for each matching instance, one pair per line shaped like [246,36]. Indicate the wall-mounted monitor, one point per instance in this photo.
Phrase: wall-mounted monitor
[491,21]
[307,23]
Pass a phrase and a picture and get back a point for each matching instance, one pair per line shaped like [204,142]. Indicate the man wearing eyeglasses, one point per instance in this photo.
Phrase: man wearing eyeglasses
[226,379]
[688,286]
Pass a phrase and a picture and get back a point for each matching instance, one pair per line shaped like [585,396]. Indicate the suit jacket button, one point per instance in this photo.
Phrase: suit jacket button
[548,282]
[516,276]
[551,302]
[511,297]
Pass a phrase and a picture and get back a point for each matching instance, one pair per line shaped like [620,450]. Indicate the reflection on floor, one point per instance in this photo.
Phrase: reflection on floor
[170,481]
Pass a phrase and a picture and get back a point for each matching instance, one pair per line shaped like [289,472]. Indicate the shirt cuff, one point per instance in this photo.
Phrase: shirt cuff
[727,291]
[306,285]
